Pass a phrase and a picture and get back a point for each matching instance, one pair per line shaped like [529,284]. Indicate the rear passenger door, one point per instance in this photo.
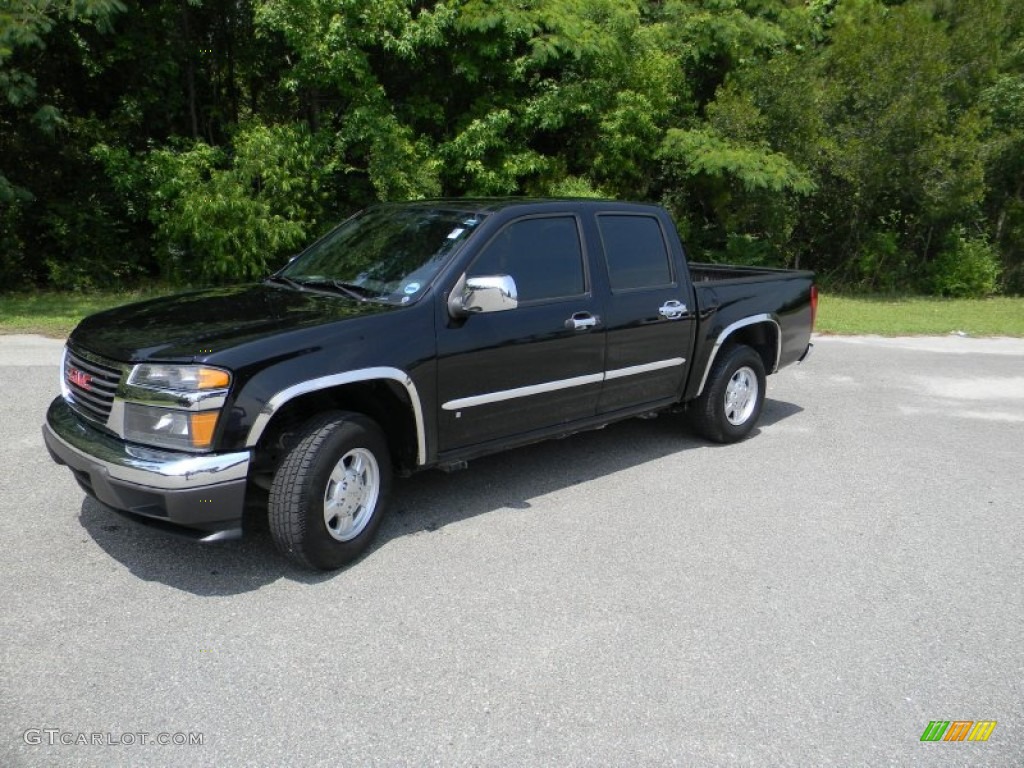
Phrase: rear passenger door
[649,325]
[534,367]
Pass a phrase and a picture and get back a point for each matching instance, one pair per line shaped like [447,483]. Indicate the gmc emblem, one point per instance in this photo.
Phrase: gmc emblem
[80,379]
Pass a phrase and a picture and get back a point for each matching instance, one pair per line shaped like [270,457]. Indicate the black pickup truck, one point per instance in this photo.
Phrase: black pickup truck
[413,335]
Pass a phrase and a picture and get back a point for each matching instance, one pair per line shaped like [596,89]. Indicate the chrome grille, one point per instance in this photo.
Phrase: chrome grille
[90,383]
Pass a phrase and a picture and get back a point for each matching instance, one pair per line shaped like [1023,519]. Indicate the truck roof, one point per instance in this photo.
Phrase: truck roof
[494,204]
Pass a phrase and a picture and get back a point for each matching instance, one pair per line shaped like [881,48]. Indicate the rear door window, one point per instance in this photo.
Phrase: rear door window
[635,252]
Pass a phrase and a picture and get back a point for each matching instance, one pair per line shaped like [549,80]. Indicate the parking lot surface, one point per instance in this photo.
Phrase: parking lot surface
[813,596]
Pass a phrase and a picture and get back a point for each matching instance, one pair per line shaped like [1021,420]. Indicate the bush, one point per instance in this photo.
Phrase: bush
[749,251]
[968,268]
[222,215]
[883,265]
[231,216]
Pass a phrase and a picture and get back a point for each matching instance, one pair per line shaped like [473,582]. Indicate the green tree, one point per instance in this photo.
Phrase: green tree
[877,142]
[30,119]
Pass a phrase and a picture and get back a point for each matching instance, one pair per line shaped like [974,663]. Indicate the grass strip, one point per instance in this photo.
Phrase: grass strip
[55,314]
[920,316]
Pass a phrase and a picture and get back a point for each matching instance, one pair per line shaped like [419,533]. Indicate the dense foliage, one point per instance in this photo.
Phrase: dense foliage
[198,141]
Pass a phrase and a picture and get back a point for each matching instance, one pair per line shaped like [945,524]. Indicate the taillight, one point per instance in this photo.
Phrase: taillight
[814,305]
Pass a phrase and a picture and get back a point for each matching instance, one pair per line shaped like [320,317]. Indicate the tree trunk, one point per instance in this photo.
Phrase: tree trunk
[1001,221]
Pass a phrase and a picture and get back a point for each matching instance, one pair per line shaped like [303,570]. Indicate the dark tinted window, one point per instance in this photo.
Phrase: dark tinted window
[542,255]
[635,252]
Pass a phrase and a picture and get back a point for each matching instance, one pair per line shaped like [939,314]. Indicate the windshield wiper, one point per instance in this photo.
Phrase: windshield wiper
[286,280]
[328,285]
[352,290]
[355,291]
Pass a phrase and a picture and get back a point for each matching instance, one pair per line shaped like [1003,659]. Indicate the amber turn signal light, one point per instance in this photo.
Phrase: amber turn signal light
[202,425]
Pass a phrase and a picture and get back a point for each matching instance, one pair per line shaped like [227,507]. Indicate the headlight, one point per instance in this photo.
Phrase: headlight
[169,427]
[182,378]
[174,406]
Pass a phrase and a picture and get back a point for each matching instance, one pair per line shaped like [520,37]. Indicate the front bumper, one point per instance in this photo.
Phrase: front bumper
[200,496]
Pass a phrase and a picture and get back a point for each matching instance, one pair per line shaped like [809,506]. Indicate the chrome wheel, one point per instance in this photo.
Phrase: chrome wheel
[741,396]
[330,492]
[351,494]
[728,408]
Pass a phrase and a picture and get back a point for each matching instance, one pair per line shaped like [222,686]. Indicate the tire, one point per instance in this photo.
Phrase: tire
[730,405]
[329,495]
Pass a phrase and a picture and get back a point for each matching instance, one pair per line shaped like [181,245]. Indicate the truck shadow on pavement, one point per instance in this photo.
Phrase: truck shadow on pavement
[423,503]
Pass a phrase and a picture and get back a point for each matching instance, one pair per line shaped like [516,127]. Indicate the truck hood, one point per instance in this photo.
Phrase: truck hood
[191,326]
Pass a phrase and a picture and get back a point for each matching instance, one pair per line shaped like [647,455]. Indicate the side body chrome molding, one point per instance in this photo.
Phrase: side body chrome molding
[532,389]
[633,370]
[552,386]
[337,379]
[731,329]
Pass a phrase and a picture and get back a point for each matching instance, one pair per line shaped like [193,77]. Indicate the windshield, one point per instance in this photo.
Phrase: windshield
[388,252]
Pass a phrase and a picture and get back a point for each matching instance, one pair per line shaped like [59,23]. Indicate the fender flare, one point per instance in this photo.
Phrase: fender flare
[731,329]
[276,402]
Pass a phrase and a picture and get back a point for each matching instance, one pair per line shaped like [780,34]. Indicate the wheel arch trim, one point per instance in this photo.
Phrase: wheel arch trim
[362,375]
[729,330]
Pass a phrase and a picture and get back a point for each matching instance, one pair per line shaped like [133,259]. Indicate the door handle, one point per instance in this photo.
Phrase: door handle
[581,321]
[672,310]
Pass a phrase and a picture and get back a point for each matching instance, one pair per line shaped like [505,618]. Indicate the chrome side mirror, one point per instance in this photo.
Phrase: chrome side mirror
[491,293]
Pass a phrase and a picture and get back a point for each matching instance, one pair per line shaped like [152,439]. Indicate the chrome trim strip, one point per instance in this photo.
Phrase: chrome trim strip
[98,371]
[99,360]
[200,400]
[337,379]
[645,368]
[552,386]
[65,391]
[190,402]
[532,389]
[729,330]
[148,467]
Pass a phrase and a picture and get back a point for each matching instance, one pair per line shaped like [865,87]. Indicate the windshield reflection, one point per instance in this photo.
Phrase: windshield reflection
[386,253]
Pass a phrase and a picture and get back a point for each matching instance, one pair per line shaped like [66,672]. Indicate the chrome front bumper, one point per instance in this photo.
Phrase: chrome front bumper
[203,495]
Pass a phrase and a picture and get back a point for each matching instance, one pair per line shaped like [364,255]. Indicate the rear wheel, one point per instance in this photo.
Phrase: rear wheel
[730,405]
[328,496]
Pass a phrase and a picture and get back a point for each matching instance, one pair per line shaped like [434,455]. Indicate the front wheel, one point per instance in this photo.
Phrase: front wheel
[731,402]
[328,496]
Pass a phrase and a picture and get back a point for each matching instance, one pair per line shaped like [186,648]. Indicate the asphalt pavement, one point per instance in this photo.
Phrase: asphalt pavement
[813,596]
